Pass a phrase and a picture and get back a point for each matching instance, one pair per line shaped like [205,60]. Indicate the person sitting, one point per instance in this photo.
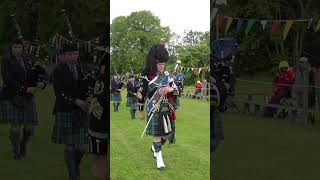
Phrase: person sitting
[198,88]
[283,82]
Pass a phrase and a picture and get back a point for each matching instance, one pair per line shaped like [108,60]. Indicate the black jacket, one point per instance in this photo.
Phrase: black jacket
[16,79]
[66,88]
[131,89]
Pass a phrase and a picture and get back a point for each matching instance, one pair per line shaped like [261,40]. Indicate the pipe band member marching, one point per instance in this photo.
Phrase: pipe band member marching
[70,110]
[132,96]
[162,95]
[116,86]
[18,106]
[99,124]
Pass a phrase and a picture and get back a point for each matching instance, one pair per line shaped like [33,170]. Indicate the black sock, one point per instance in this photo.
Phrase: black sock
[70,159]
[78,154]
[115,106]
[14,136]
[25,138]
[133,114]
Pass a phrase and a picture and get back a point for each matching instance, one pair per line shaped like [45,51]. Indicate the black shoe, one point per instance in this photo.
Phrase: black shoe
[23,150]
[17,156]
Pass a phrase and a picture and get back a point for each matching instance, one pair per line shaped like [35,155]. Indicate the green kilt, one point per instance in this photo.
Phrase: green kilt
[132,102]
[157,125]
[10,113]
[65,133]
[116,97]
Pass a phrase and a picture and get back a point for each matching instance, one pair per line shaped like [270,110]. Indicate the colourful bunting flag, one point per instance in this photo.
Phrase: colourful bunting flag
[318,26]
[221,21]
[229,22]
[249,26]
[275,27]
[287,29]
[239,25]
[264,23]
[309,23]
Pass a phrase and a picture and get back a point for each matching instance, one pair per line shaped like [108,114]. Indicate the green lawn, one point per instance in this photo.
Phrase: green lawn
[262,148]
[131,157]
[44,160]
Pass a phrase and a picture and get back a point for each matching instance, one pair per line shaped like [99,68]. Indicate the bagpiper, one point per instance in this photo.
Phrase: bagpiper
[116,92]
[19,108]
[99,124]
[70,110]
[132,96]
[161,95]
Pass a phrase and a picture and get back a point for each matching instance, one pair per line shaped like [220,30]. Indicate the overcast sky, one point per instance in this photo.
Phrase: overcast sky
[179,15]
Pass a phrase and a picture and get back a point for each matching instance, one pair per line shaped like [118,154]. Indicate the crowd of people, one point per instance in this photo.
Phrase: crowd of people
[81,122]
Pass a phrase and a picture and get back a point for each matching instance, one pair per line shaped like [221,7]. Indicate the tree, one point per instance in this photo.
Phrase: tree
[131,38]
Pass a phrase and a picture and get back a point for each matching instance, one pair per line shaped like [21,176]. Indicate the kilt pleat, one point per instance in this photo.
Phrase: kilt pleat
[158,126]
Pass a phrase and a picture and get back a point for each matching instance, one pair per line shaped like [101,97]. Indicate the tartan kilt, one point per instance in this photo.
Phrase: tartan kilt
[116,97]
[132,102]
[9,113]
[157,126]
[65,133]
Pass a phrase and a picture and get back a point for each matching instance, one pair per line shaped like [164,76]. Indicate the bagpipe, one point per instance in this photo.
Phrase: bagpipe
[179,83]
[153,103]
[87,83]
[218,91]
[38,74]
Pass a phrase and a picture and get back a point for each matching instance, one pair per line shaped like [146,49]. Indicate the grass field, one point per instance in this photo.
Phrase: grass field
[44,159]
[131,157]
[261,148]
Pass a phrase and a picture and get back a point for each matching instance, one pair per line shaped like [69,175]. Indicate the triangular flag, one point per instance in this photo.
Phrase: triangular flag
[264,24]
[275,27]
[229,22]
[249,26]
[239,24]
[318,26]
[310,22]
[221,20]
[287,28]
[178,69]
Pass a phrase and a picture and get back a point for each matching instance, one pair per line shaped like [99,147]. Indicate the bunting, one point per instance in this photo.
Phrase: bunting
[191,70]
[287,29]
[239,25]
[275,27]
[249,26]
[229,22]
[274,24]
[318,26]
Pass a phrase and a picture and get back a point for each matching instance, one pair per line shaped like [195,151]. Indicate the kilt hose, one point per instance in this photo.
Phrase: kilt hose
[65,133]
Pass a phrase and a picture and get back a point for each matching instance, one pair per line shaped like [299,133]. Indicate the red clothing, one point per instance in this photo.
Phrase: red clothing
[286,77]
[197,88]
